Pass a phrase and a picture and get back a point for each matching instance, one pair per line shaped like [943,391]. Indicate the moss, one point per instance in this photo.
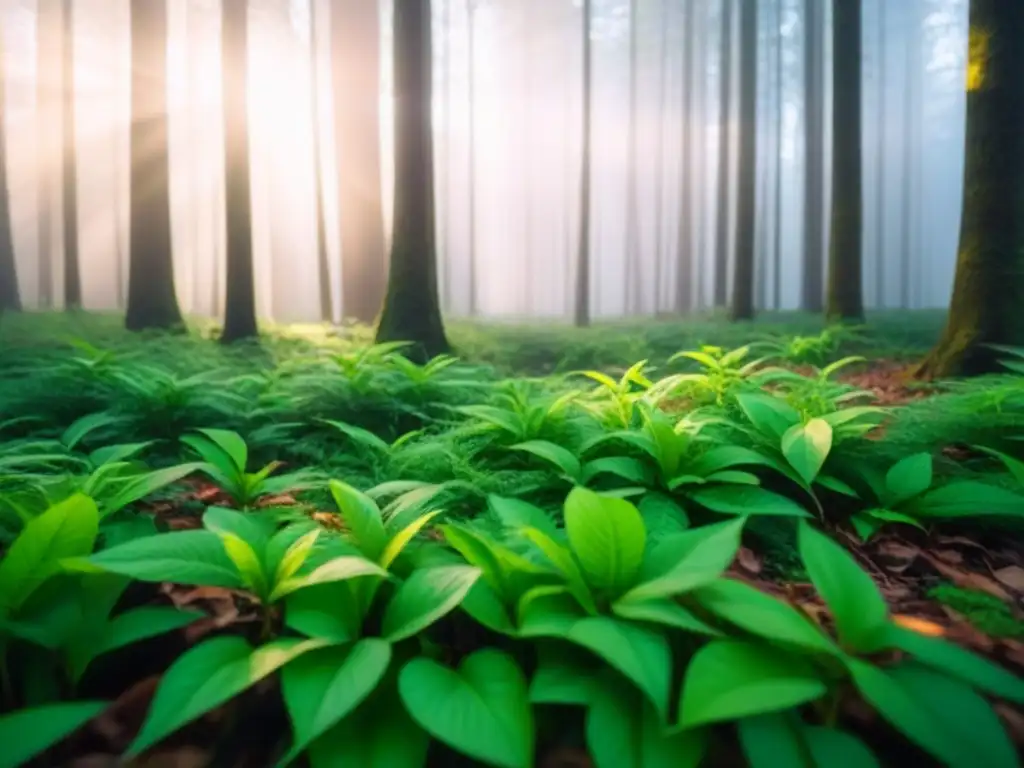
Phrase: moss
[986,612]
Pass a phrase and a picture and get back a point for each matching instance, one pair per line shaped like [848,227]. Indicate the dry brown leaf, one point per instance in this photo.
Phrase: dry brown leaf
[969,579]
[921,626]
[950,556]
[1013,718]
[749,560]
[1011,576]
[963,632]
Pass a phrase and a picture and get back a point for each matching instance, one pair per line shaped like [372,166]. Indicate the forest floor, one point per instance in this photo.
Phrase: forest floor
[961,579]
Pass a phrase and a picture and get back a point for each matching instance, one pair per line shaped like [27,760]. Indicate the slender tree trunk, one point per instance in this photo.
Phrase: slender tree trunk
[411,309]
[988,291]
[634,271]
[659,187]
[844,286]
[814,157]
[48,74]
[700,166]
[743,278]
[683,302]
[780,94]
[471,186]
[880,191]
[152,302]
[723,209]
[10,296]
[72,271]
[322,257]
[913,62]
[355,35]
[583,244]
[446,234]
[240,300]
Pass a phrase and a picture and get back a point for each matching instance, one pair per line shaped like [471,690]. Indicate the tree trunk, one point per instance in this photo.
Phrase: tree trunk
[880,196]
[814,156]
[240,299]
[683,302]
[582,309]
[910,142]
[411,309]
[743,277]
[48,74]
[355,35]
[659,188]
[322,258]
[988,291]
[152,302]
[634,271]
[471,182]
[844,285]
[72,269]
[10,297]
[724,139]
[780,94]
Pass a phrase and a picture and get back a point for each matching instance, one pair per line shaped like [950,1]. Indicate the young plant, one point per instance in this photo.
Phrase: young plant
[518,414]
[723,373]
[618,398]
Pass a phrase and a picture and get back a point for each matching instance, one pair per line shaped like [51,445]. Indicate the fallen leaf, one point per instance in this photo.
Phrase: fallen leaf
[950,556]
[921,626]
[750,561]
[1011,576]
[969,579]
[1013,719]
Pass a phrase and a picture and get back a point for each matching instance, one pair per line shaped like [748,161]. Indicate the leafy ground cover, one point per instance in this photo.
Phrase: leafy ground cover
[638,545]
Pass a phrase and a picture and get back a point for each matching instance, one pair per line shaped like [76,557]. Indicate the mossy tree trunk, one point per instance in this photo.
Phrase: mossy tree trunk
[355,56]
[69,184]
[10,297]
[845,301]
[988,290]
[743,276]
[152,302]
[240,297]
[412,310]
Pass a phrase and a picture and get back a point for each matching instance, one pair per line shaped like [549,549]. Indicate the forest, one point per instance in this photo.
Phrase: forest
[555,383]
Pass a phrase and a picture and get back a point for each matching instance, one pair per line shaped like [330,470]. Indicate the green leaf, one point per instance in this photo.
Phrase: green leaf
[562,679]
[732,679]
[563,560]
[829,747]
[27,732]
[967,498]
[770,741]
[329,611]
[231,444]
[806,446]
[478,550]
[763,615]
[360,435]
[627,468]
[482,709]
[941,715]
[516,514]
[547,611]
[425,597]
[662,516]
[487,608]
[295,555]
[400,540]
[562,458]
[859,611]
[667,613]
[639,653]
[362,517]
[140,487]
[208,675]
[746,500]
[247,562]
[180,557]
[958,662]
[909,477]
[770,415]
[63,531]
[724,457]
[608,537]
[341,568]
[325,685]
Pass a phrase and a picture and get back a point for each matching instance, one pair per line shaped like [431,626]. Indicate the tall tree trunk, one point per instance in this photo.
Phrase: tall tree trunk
[880,190]
[743,277]
[582,309]
[683,302]
[814,155]
[724,188]
[355,36]
[471,185]
[844,285]
[240,299]
[322,257]
[659,187]
[634,271]
[10,297]
[780,94]
[48,74]
[910,142]
[988,290]
[72,269]
[411,310]
[152,302]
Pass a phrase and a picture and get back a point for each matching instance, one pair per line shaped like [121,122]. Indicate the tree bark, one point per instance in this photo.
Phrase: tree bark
[743,277]
[880,196]
[844,286]
[48,75]
[411,309]
[322,257]
[355,35]
[724,139]
[240,299]
[471,181]
[10,296]
[988,290]
[683,298]
[582,303]
[152,302]
[910,144]
[780,95]
[814,157]
[72,268]
[634,271]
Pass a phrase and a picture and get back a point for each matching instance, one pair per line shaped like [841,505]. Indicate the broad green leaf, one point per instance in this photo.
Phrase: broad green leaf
[341,568]
[487,608]
[884,516]
[63,531]
[770,415]
[806,446]
[829,747]
[639,653]
[625,467]
[254,529]
[482,709]
[771,741]
[477,550]
[208,675]
[516,514]
[247,562]
[662,516]
[231,444]
[142,486]
[323,686]
[562,678]
[562,559]
[701,565]
[331,611]
[836,485]
[562,458]
[607,536]
[623,731]
[362,517]
[665,612]
[425,597]
[724,457]
[859,611]
[400,540]
[360,435]
[547,611]
[746,500]
[180,557]
[25,733]
[295,556]
[967,498]
[732,679]
[763,615]
[909,477]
